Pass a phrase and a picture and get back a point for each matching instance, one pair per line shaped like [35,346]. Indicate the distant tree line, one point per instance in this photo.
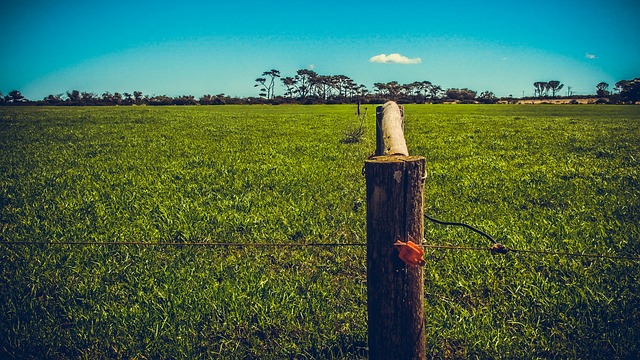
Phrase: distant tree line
[77,98]
[309,87]
[629,90]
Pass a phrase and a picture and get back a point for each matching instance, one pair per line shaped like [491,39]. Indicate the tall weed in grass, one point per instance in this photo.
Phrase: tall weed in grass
[559,178]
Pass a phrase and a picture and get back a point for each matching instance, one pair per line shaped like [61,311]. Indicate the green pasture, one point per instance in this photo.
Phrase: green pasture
[545,178]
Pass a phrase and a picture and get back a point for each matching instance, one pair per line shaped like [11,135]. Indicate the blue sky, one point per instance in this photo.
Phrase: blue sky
[210,47]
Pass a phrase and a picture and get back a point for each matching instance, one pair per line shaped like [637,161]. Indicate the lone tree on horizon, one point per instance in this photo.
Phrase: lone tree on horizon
[555,86]
[268,90]
[601,89]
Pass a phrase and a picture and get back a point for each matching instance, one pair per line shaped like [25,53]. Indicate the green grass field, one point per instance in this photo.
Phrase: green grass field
[551,178]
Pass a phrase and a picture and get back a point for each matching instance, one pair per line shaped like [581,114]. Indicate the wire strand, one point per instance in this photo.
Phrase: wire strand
[477,231]
[203,244]
[533,252]
[495,249]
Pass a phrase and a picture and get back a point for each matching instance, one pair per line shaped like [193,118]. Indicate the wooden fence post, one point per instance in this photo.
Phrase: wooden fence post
[395,193]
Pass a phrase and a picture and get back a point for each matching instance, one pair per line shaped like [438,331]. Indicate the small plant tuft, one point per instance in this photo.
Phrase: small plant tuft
[354,134]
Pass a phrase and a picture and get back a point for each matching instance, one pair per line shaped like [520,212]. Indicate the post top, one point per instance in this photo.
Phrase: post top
[390,130]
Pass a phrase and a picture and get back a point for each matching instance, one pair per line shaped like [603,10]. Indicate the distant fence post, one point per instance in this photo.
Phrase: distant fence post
[395,193]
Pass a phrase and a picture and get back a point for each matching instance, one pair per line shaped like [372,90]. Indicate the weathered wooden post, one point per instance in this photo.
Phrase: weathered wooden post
[394,212]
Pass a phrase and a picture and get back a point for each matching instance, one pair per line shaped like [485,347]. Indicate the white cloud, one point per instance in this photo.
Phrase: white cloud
[311,66]
[589,56]
[394,59]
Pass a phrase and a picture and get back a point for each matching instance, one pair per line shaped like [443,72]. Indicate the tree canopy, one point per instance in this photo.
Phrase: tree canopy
[629,90]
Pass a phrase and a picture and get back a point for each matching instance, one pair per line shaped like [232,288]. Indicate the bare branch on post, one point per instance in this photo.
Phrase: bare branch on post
[390,130]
